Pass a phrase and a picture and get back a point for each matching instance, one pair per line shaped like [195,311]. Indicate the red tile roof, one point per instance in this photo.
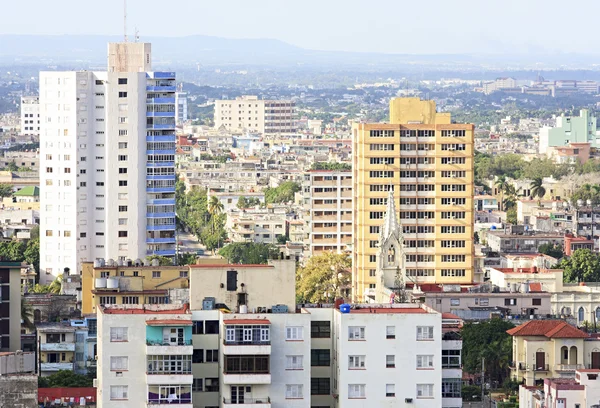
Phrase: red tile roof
[558,329]
[169,322]
[450,316]
[246,321]
[535,287]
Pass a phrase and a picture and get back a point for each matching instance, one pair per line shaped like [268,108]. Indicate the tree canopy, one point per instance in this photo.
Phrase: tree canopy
[587,192]
[65,378]
[582,266]
[489,340]
[248,202]
[162,260]
[337,166]
[6,190]
[249,252]
[282,194]
[322,277]
[515,167]
[555,251]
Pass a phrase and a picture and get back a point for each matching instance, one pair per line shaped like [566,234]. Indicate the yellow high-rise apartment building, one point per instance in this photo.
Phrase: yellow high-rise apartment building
[427,161]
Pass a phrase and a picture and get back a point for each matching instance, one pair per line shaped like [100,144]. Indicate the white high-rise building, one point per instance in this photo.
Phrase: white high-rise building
[181,107]
[30,115]
[107,170]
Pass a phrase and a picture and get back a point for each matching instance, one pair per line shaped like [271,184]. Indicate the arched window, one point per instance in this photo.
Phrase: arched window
[391,254]
[598,314]
[581,315]
[37,316]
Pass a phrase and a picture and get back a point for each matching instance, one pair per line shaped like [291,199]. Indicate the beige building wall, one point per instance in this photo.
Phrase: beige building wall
[428,163]
[243,113]
[264,285]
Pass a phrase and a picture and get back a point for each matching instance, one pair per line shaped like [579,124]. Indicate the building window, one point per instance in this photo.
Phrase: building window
[450,358]
[536,302]
[198,327]
[356,391]
[510,302]
[131,300]
[390,390]
[198,356]
[451,387]
[294,363]
[122,94]
[211,384]
[118,363]
[197,384]
[424,361]
[122,208]
[320,386]
[118,334]
[294,333]
[122,183]
[122,170]
[320,330]
[390,361]
[122,81]
[108,300]
[454,302]
[155,274]
[356,362]
[356,333]
[320,358]
[212,356]
[425,390]
[211,327]
[424,332]
[293,391]
[390,332]
[118,392]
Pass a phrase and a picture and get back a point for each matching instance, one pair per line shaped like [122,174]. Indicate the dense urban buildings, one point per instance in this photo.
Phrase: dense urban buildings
[427,162]
[107,162]
[248,113]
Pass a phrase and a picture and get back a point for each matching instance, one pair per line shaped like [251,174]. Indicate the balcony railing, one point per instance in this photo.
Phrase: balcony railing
[541,367]
[567,367]
[247,343]
[167,400]
[161,343]
[244,400]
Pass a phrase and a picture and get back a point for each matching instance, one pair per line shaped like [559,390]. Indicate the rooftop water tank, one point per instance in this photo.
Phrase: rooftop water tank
[345,308]
[112,283]
[243,309]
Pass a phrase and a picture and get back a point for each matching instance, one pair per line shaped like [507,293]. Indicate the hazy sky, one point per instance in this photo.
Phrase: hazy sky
[402,26]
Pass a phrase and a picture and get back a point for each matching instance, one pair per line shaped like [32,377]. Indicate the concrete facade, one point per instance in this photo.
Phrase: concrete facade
[19,390]
[248,113]
[30,115]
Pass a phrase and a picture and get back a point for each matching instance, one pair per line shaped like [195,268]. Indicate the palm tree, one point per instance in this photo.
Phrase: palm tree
[538,189]
[215,207]
[511,196]
[26,315]
[501,184]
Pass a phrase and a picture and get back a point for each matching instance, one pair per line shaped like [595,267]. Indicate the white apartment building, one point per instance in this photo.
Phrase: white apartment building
[30,115]
[327,201]
[107,170]
[181,107]
[259,225]
[145,356]
[248,113]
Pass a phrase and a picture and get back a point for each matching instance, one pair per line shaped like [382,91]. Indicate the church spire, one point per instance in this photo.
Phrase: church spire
[390,221]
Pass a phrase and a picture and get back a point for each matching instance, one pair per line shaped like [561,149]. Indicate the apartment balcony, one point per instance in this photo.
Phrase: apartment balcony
[53,367]
[247,402]
[91,363]
[162,252]
[160,215]
[246,378]
[161,88]
[160,176]
[170,240]
[160,138]
[246,348]
[452,402]
[57,347]
[170,227]
[161,164]
[541,368]
[159,348]
[161,75]
[568,367]
[159,126]
[160,101]
[162,201]
[160,114]
[158,379]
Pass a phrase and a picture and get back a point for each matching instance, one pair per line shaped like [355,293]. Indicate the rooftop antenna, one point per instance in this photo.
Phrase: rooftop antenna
[125,20]
[137,35]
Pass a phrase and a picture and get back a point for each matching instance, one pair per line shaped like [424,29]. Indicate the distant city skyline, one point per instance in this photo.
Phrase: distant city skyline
[437,27]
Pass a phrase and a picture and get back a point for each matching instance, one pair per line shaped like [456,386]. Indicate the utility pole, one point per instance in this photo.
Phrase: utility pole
[482,378]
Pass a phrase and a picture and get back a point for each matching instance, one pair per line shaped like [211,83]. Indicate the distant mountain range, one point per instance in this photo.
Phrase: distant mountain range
[91,49]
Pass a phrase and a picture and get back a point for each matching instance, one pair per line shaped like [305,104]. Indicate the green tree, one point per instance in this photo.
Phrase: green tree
[187,259]
[12,251]
[162,260]
[35,232]
[215,208]
[26,315]
[538,189]
[6,190]
[65,378]
[489,340]
[555,251]
[282,239]
[582,266]
[249,252]
[501,184]
[335,166]
[12,166]
[282,194]
[242,202]
[511,216]
[323,276]
[32,254]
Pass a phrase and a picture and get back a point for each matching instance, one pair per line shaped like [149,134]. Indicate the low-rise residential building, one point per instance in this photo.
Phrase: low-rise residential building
[108,283]
[525,242]
[581,391]
[56,347]
[146,356]
[30,115]
[327,202]
[257,115]
[551,349]
[258,225]
[485,203]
